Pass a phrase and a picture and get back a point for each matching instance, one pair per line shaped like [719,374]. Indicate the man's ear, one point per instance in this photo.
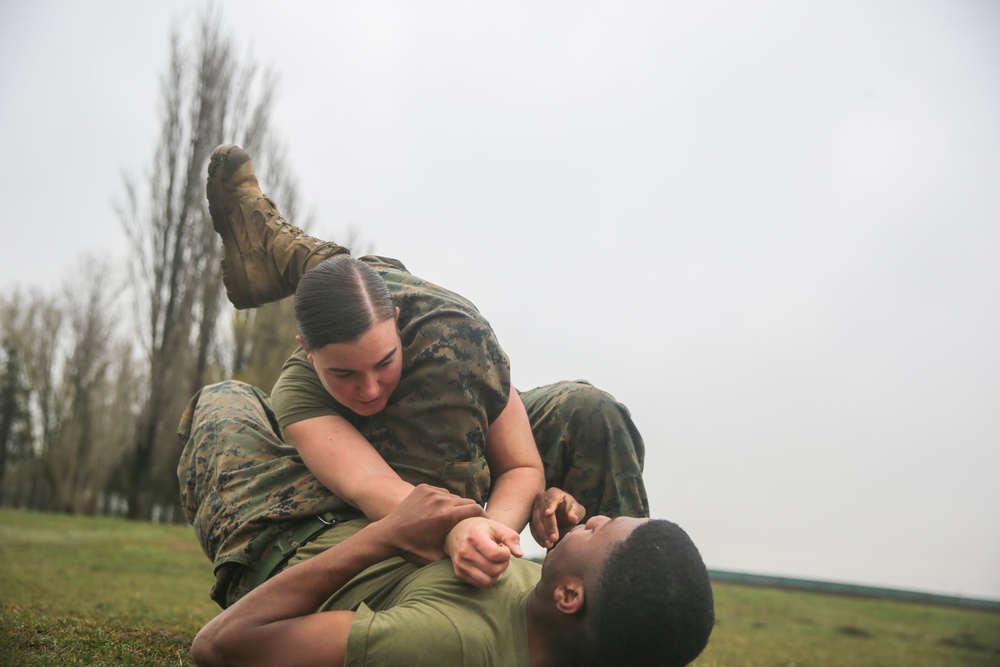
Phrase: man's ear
[309,356]
[568,595]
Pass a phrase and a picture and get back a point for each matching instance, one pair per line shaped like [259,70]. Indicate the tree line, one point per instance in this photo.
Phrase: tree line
[94,378]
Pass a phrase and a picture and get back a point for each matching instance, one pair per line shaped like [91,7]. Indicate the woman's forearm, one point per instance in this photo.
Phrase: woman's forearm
[513,495]
[518,475]
[378,495]
[347,464]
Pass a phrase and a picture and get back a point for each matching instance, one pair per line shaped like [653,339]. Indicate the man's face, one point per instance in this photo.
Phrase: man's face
[362,374]
[588,545]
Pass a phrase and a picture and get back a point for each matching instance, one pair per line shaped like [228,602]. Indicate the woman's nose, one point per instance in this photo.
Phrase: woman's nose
[369,388]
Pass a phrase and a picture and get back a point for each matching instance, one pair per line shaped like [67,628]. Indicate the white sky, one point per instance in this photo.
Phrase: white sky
[772,229]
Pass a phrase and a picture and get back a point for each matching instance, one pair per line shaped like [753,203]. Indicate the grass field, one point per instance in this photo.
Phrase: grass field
[93,591]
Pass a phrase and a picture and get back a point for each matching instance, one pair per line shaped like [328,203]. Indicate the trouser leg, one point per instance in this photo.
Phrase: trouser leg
[589,446]
[233,453]
[225,427]
[241,487]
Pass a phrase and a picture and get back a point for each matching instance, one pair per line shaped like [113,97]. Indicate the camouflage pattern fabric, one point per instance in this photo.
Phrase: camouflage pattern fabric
[244,489]
[455,382]
[590,447]
[241,487]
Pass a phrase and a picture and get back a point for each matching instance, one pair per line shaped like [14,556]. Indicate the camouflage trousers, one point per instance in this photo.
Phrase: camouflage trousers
[252,501]
[589,446]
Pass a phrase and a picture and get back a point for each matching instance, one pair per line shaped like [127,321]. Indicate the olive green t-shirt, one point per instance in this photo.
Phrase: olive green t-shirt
[426,616]
[433,619]
[455,382]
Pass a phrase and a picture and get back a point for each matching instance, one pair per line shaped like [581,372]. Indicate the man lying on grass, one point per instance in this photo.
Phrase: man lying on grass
[612,592]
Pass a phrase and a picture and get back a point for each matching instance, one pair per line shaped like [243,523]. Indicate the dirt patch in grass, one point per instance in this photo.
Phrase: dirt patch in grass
[853,631]
[969,641]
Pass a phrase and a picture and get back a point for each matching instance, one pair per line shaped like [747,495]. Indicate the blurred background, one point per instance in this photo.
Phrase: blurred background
[771,229]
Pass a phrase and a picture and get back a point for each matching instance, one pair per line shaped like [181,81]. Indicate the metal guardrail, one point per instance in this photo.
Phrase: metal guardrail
[851,589]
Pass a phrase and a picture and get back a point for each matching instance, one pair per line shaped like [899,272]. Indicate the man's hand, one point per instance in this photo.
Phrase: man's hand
[480,550]
[419,524]
[554,513]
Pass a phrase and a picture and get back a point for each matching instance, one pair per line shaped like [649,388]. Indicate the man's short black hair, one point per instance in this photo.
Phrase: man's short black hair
[654,605]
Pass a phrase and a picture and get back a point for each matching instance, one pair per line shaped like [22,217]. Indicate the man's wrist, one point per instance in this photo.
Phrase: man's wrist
[379,542]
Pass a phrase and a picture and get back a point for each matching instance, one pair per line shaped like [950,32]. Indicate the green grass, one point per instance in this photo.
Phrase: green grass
[92,591]
[98,591]
[758,627]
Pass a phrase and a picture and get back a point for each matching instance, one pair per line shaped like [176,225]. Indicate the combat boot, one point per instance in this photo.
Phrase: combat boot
[264,255]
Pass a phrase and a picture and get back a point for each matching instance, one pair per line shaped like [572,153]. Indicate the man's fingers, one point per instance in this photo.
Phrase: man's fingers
[550,529]
[466,511]
[554,511]
[544,519]
[575,512]
[541,528]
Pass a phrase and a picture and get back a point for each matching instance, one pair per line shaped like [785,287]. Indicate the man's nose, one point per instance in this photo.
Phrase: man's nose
[595,521]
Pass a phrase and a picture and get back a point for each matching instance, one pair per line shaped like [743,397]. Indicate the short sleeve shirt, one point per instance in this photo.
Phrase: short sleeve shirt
[425,616]
[435,619]
[455,382]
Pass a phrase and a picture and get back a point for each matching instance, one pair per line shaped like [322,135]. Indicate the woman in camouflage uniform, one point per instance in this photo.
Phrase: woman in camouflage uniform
[397,382]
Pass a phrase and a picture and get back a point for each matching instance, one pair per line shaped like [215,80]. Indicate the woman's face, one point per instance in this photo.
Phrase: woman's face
[361,375]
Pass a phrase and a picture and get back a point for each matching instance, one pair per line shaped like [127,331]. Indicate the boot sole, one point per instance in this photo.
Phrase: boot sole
[234,275]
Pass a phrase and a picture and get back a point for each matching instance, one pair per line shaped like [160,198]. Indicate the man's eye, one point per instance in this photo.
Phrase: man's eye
[385,362]
[342,374]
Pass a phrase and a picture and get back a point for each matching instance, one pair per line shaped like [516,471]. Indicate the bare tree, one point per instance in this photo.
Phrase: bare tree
[31,332]
[209,97]
[262,339]
[15,393]
[43,328]
[89,444]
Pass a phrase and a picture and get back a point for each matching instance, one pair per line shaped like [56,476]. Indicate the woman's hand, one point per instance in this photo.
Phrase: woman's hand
[554,513]
[480,550]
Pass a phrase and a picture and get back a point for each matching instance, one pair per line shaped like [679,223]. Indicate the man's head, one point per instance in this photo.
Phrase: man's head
[638,588]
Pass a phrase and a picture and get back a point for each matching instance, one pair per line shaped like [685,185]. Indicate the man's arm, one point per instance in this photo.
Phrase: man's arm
[276,623]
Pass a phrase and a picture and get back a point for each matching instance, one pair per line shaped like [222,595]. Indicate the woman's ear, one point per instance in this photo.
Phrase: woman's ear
[309,356]
[568,595]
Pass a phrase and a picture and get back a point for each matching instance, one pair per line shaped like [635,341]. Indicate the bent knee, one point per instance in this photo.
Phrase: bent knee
[579,395]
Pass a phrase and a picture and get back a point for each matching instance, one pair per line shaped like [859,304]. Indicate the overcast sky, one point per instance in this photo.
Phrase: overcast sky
[772,229]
